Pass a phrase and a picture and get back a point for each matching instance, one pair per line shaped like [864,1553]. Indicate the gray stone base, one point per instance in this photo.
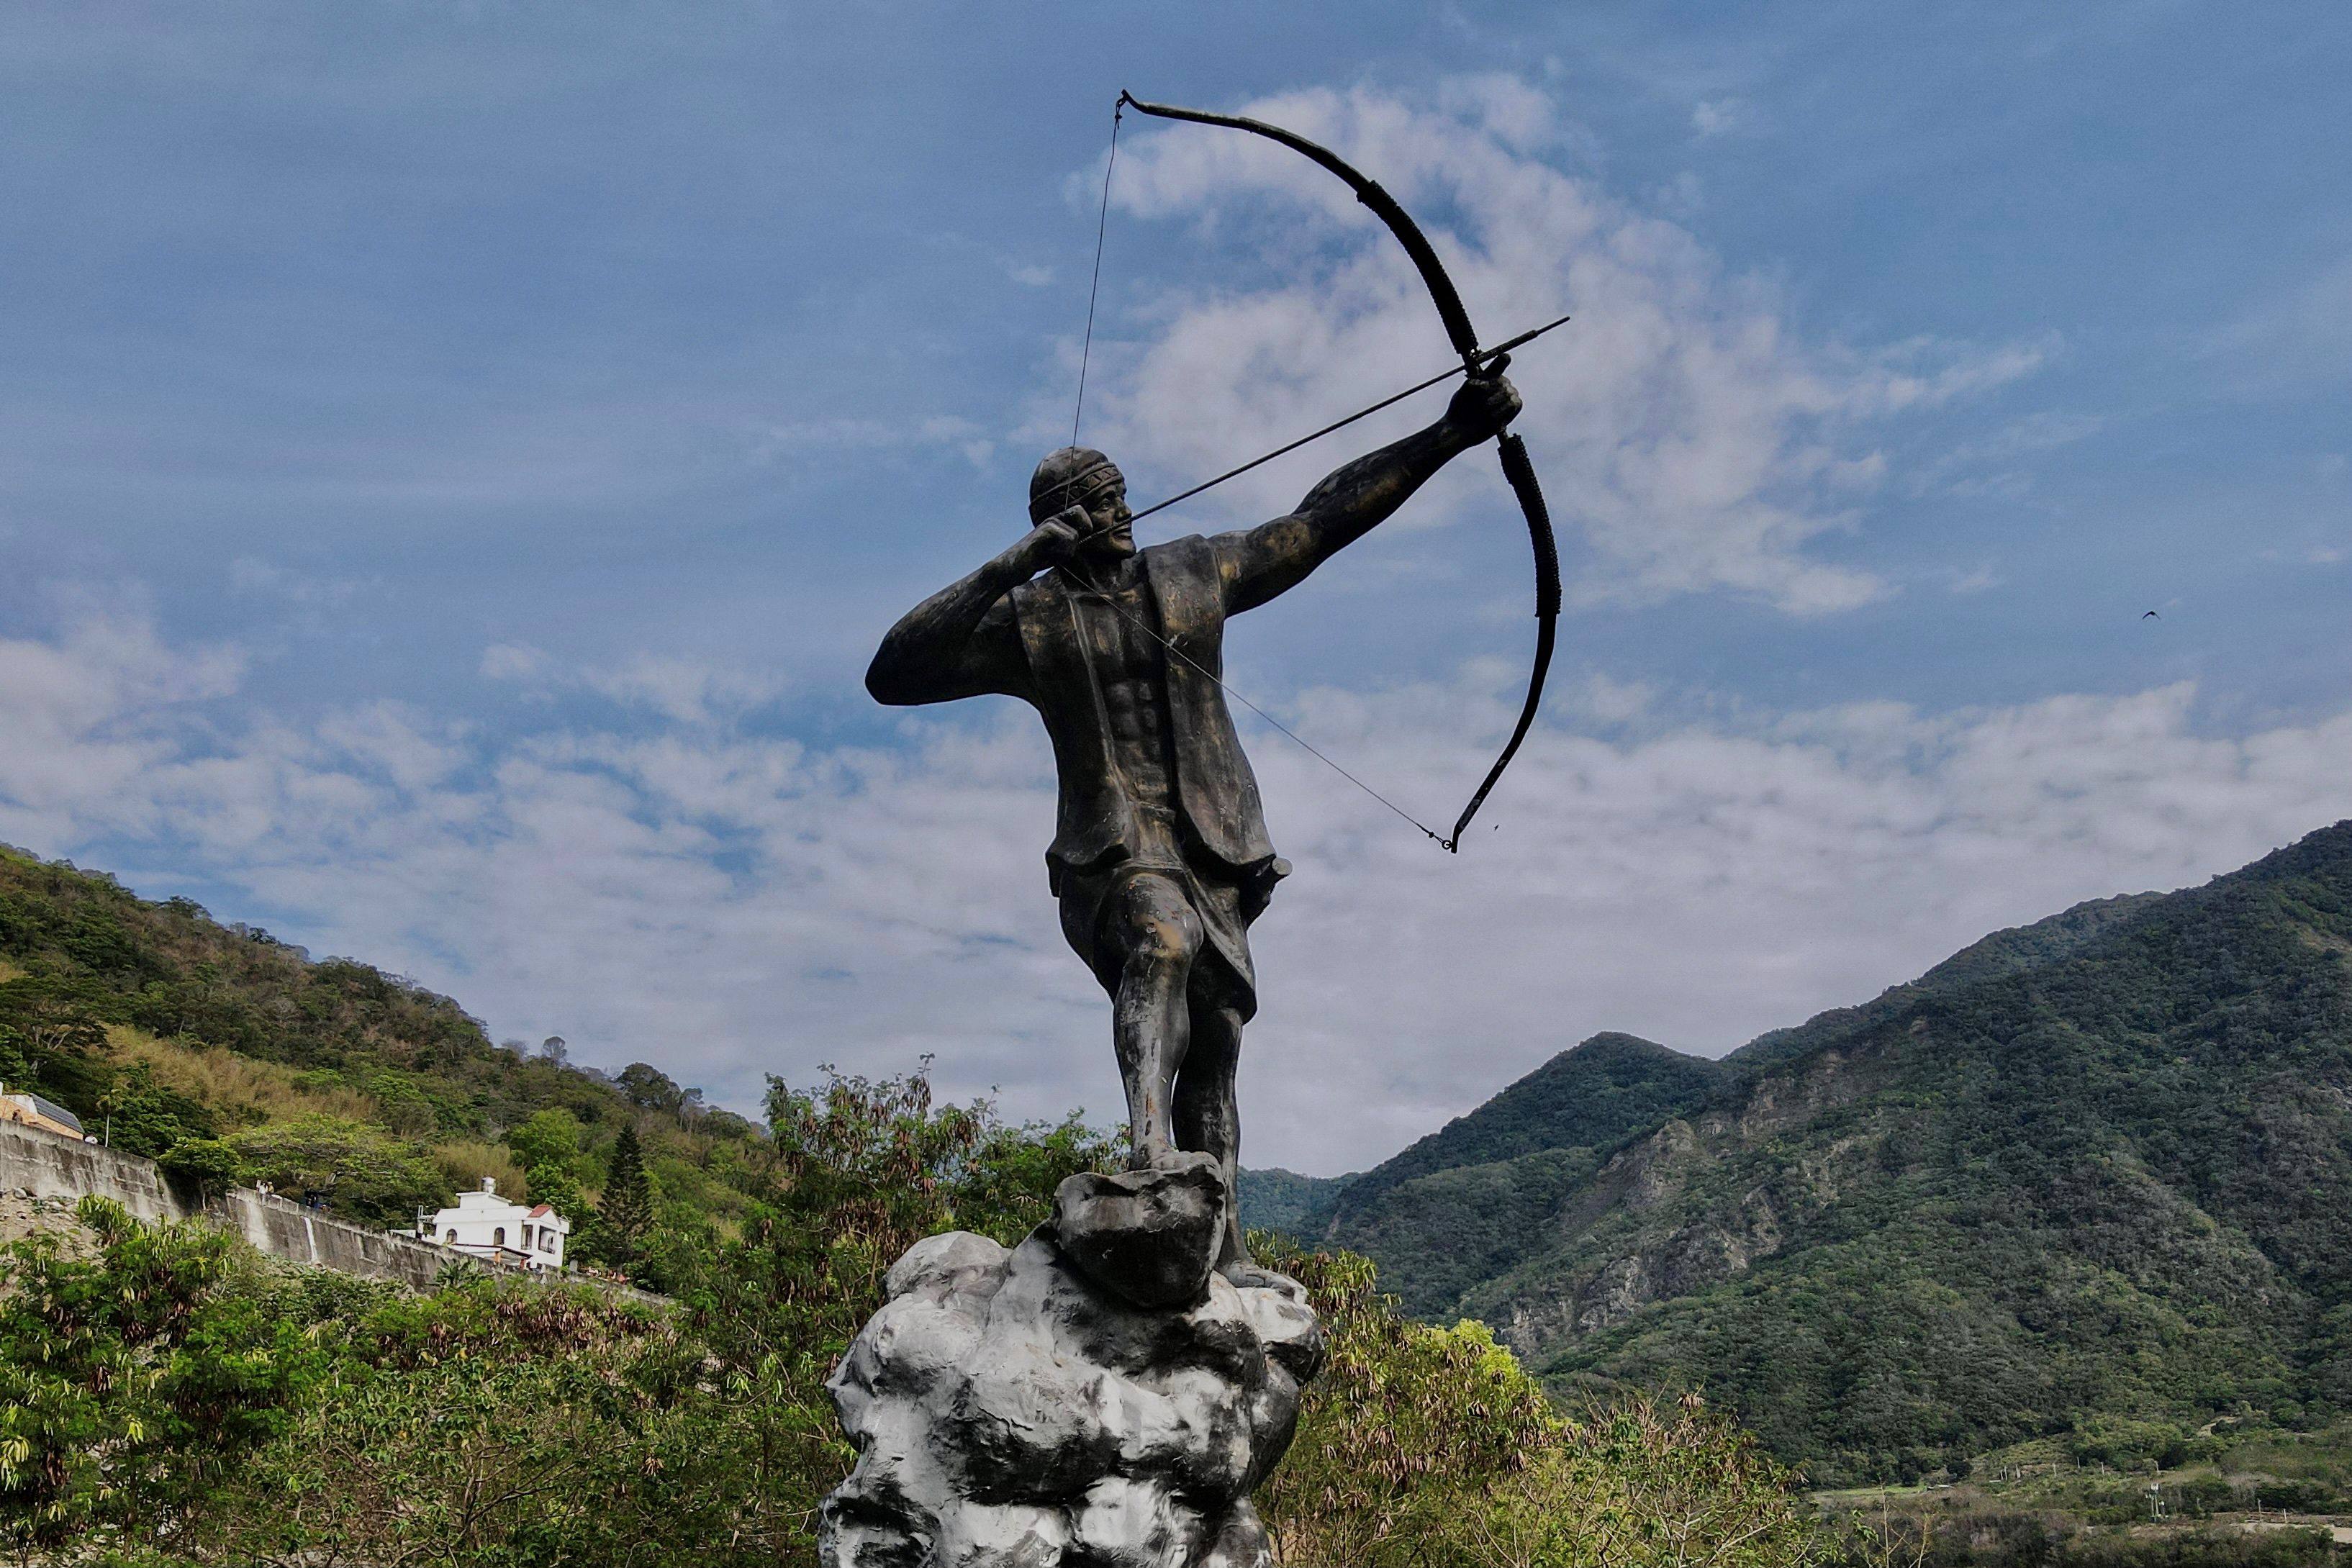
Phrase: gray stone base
[1013,1410]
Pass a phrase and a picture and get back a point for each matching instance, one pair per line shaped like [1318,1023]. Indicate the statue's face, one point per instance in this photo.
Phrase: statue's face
[1114,531]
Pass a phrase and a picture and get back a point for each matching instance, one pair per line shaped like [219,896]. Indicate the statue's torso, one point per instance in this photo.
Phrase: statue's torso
[1130,666]
[1150,768]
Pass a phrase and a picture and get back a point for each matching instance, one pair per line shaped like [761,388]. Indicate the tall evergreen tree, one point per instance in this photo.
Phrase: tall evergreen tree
[627,1211]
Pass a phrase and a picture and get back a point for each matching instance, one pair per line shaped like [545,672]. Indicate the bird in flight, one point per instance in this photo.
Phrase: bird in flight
[2151,615]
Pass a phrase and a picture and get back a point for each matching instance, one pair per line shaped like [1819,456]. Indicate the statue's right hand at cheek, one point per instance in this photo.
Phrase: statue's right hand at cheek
[1056,540]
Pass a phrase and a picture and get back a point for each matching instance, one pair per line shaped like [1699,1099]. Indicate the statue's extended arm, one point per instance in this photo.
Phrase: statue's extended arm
[1275,556]
[961,642]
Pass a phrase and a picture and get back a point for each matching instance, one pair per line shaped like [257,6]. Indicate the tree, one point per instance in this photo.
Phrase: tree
[863,1169]
[648,1088]
[207,1167]
[1420,1445]
[550,1137]
[44,1016]
[144,1117]
[548,1147]
[367,1174]
[627,1211]
[552,1049]
[171,1402]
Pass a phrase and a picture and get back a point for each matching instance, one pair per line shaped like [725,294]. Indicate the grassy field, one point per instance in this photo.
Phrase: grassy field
[2235,1487]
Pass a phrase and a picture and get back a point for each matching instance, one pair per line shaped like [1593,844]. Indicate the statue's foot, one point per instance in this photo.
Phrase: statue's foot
[1154,1155]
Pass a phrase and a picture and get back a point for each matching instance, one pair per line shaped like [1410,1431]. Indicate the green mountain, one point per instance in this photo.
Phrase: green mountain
[2093,1176]
[1284,1201]
[1590,1097]
[1460,1206]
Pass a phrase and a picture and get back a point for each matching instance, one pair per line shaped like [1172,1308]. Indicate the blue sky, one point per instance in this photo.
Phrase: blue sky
[457,462]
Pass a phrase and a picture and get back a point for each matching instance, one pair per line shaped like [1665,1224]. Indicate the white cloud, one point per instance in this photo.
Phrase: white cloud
[260,579]
[84,715]
[1996,464]
[1717,116]
[682,690]
[515,661]
[1683,427]
[801,437]
[2303,332]
[728,903]
[685,691]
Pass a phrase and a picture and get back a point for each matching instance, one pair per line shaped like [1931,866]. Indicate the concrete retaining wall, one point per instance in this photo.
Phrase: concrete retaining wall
[50,1165]
[284,1228]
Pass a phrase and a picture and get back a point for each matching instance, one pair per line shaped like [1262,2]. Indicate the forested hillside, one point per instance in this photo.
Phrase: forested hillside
[230,1055]
[2093,1176]
[1284,1201]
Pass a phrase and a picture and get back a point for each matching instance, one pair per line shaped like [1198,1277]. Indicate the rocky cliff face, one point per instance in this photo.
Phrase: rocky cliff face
[1683,1207]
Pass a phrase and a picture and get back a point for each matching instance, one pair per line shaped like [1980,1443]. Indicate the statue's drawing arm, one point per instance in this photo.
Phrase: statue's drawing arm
[962,642]
[1275,556]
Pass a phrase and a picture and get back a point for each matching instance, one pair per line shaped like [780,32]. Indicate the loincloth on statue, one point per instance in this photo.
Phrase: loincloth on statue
[1225,900]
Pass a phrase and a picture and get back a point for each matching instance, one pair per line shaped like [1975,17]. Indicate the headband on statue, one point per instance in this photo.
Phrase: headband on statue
[1072,477]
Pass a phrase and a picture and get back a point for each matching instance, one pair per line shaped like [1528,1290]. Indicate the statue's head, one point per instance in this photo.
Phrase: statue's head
[1081,476]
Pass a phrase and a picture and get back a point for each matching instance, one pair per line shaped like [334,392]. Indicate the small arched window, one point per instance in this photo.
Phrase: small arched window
[499,1236]
[452,1238]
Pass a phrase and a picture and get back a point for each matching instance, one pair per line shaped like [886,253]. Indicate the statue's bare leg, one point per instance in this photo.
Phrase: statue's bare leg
[1156,934]
[1208,1114]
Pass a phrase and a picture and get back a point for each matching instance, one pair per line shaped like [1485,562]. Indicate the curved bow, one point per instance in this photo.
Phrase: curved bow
[1517,469]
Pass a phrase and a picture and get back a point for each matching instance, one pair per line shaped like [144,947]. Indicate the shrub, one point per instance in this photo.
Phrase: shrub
[133,1384]
[1429,1447]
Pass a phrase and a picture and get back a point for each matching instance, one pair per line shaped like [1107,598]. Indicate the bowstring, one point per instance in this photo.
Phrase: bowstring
[1094,290]
[1080,586]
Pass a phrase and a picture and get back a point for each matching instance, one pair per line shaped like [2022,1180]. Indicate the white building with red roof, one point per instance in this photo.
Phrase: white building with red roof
[501,1230]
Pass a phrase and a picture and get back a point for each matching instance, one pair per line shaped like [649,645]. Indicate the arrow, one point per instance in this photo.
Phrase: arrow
[1491,361]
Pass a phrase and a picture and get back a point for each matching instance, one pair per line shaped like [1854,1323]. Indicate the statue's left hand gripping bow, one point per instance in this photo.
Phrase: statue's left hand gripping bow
[1516,466]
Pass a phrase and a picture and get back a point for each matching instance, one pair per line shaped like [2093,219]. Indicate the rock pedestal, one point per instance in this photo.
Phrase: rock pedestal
[1098,1397]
